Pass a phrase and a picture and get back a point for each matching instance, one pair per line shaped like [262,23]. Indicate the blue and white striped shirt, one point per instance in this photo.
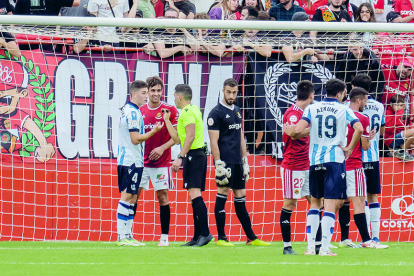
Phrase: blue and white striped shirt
[375,111]
[328,121]
[131,121]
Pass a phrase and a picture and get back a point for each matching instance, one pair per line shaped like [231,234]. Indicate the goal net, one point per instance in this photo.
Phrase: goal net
[61,95]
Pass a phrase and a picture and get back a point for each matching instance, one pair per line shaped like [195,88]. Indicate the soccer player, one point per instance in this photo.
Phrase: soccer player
[355,177]
[295,164]
[370,158]
[231,166]
[190,133]
[131,160]
[328,121]
[158,153]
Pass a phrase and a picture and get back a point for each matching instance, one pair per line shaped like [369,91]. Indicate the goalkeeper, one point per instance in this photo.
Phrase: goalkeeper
[232,169]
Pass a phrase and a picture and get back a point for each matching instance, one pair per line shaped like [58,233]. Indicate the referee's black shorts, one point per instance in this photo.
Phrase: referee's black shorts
[195,169]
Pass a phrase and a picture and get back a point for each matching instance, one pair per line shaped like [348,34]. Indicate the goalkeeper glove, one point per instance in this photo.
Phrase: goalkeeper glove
[222,173]
[246,169]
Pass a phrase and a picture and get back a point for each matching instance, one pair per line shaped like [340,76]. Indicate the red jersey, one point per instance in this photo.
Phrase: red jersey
[389,47]
[314,4]
[394,85]
[404,8]
[295,152]
[393,124]
[11,126]
[151,117]
[355,159]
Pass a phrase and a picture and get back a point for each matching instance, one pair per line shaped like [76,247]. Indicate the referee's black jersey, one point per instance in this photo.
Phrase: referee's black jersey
[229,122]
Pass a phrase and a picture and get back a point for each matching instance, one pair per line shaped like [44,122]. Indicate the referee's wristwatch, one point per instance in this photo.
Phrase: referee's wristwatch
[179,156]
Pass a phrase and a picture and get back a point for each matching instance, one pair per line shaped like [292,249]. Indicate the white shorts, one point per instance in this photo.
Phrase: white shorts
[356,184]
[295,184]
[161,178]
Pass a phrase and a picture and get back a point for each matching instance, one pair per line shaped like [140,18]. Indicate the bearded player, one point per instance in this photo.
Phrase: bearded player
[157,157]
[231,166]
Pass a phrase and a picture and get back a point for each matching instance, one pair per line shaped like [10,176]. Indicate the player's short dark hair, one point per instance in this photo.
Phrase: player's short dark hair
[137,85]
[357,93]
[397,99]
[154,81]
[230,82]
[253,11]
[304,89]
[363,81]
[335,86]
[184,90]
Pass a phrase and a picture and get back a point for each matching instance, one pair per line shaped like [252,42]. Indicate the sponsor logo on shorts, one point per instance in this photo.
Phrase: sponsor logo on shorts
[296,191]
[160,176]
[343,175]
[403,206]
[320,167]
[133,187]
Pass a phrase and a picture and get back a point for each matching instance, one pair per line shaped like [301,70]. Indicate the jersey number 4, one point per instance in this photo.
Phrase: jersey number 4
[330,126]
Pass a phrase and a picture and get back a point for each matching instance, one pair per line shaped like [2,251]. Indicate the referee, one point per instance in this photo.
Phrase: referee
[193,158]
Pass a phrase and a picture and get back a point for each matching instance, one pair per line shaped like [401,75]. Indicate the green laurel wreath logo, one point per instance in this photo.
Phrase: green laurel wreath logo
[45,104]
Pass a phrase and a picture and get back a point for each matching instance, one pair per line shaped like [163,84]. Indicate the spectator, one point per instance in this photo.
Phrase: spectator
[292,44]
[398,80]
[284,10]
[159,7]
[350,8]
[398,137]
[215,3]
[310,6]
[405,9]
[147,8]
[330,13]
[181,6]
[201,42]
[6,7]
[250,39]
[81,10]
[171,50]
[254,3]
[362,60]
[103,8]
[51,7]
[82,41]
[365,13]
[249,11]
[8,42]
[394,17]
[147,47]
[226,10]
[264,16]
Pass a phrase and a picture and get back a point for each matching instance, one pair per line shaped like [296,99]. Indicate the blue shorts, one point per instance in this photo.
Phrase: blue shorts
[397,142]
[129,178]
[328,180]
[372,174]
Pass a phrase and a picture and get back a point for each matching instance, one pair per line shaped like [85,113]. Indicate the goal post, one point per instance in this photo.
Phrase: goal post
[59,114]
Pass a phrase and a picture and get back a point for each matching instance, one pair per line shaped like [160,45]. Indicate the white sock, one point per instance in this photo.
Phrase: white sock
[328,224]
[122,219]
[287,244]
[367,215]
[312,225]
[130,221]
[164,238]
[375,218]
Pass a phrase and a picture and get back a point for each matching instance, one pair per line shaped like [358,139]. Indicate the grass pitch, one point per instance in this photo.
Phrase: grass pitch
[98,258]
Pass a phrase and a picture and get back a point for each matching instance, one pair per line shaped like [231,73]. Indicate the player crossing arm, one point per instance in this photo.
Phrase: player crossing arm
[355,138]
[297,131]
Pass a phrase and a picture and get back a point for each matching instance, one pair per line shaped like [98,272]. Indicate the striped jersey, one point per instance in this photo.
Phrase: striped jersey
[328,121]
[131,121]
[375,112]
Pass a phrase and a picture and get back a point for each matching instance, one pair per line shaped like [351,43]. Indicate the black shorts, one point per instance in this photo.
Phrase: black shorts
[372,173]
[195,169]
[236,180]
[328,180]
[129,178]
